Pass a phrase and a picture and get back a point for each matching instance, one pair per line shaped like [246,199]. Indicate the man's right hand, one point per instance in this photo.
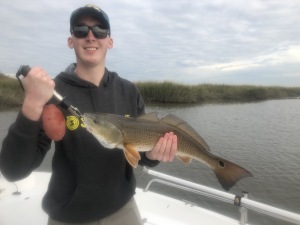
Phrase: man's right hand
[39,88]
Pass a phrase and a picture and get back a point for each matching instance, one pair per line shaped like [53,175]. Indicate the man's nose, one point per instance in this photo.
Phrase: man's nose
[90,35]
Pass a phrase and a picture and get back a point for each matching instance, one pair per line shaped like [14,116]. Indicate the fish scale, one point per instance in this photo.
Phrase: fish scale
[151,135]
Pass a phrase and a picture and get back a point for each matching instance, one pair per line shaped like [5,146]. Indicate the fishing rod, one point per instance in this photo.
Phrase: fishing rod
[62,101]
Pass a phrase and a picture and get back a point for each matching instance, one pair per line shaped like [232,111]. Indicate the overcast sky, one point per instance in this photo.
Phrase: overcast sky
[253,42]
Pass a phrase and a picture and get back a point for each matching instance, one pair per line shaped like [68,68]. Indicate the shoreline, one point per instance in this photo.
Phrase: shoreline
[12,95]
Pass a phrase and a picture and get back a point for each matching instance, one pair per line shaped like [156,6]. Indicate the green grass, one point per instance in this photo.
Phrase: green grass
[11,94]
[168,92]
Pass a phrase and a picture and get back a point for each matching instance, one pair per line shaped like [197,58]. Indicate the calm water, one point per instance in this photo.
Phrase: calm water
[263,137]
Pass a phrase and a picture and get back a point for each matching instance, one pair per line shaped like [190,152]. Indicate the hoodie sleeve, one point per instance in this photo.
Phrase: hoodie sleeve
[23,149]
[147,162]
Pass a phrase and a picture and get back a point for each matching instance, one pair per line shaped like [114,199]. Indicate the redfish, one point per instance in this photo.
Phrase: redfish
[140,134]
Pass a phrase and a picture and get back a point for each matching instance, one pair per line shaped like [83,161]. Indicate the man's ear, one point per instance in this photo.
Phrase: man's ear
[70,43]
[111,43]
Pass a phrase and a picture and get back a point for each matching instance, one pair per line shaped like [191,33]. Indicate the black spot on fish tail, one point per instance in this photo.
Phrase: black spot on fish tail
[221,163]
[229,173]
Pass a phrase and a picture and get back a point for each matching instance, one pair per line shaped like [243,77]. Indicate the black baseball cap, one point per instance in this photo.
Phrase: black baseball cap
[91,10]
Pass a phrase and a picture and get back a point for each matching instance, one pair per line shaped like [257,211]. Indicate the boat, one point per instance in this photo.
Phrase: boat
[20,203]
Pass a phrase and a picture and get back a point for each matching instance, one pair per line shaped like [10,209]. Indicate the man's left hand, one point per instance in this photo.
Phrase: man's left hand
[165,149]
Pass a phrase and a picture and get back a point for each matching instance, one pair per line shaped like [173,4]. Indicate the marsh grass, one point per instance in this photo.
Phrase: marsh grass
[11,94]
[168,92]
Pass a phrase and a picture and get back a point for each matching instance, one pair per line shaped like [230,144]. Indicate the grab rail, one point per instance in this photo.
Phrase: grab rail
[242,201]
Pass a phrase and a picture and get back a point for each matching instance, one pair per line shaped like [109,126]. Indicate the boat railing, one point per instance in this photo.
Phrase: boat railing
[241,201]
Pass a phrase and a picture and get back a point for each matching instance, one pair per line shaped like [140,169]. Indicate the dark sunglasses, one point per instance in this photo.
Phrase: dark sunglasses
[82,31]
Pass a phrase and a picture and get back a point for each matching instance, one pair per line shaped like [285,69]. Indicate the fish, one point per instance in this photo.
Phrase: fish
[140,134]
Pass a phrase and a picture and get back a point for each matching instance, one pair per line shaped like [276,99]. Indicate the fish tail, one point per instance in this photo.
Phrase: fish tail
[229,173]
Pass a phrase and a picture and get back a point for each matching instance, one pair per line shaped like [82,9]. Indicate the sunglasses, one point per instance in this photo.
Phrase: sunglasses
[82,31]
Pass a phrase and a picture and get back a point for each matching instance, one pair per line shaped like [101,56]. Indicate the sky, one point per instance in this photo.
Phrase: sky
[234,42]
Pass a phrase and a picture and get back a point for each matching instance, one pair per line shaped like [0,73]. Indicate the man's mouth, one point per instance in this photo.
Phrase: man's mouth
[91,49]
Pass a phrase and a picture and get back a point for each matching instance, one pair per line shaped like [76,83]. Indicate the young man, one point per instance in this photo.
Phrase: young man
[89,184]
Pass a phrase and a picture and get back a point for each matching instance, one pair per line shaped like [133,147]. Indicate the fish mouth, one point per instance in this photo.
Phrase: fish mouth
[87,122]
[89,127]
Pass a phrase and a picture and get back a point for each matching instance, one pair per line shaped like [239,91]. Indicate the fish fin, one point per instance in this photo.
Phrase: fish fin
[131,159]
[131,155]
[229,173]
[153,116]
[173,120]
[185,159]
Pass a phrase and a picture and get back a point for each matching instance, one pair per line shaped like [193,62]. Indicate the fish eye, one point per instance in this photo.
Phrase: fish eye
[95,121]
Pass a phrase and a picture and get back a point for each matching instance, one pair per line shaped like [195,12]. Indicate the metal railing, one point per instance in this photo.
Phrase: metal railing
[242,201]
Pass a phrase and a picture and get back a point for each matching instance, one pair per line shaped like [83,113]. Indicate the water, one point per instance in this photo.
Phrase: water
[262,137]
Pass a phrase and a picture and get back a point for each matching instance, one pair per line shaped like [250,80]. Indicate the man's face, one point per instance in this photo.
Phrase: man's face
[89,50]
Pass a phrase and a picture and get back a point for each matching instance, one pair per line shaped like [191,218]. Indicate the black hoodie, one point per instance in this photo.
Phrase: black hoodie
[88,181]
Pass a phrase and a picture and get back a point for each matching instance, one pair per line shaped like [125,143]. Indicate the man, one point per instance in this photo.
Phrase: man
[89,184]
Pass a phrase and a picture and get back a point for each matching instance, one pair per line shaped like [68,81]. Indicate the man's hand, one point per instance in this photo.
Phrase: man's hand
[165,149]
[39,88]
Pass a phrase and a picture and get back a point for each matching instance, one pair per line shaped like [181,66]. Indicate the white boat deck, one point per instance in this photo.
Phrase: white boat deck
[157,209]
[20,203]
[25,208]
